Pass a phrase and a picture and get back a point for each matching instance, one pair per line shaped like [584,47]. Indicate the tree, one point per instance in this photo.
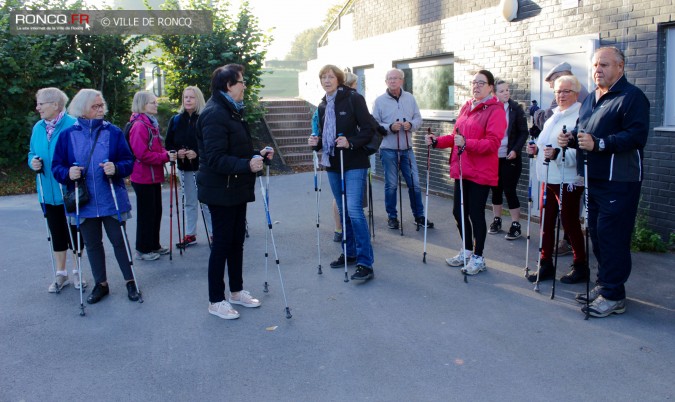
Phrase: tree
[305,43]
[191,59]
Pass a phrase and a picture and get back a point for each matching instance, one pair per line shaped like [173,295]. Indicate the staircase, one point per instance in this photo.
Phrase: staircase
[290,123]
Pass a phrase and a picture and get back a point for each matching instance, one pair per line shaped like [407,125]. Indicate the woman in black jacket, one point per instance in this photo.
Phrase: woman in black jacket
[345,127]
[226,183]
[181,136]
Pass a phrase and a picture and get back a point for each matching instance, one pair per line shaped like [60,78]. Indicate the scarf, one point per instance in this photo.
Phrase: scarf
[238,106]
[153,120]
[51,125]
[329,130]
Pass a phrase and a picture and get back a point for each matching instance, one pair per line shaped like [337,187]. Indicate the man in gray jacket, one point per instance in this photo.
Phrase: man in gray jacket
[397,112]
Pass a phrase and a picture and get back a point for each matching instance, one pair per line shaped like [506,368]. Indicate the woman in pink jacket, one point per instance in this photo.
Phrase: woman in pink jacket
[477,134]
[148,174]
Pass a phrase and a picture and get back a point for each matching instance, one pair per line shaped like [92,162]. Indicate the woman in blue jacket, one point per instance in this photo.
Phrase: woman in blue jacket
[51,105]
[93,151]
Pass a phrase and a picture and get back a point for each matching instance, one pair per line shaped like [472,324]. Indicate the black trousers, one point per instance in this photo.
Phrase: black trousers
[148,216]
[229,231]
[509,174]
[93,240]
[475,198]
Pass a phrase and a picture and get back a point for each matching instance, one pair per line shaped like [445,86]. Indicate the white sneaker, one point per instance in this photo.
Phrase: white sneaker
[76,280]
[147,256]
[245,299]
[458,261]
[475,265]
[223,310]
[60,283]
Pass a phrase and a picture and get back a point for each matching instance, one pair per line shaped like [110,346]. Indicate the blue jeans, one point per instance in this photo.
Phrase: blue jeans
[356,227]
[409,171]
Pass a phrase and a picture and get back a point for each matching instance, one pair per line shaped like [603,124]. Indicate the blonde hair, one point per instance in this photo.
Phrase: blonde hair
[200,99]
[339,74]
[141,98]
[52,94]
[83,101]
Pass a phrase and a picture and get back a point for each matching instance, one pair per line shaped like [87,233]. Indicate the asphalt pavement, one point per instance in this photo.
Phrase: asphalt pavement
[416,332]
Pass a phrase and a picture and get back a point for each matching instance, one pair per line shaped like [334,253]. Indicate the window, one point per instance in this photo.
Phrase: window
[669,109]
[433,84]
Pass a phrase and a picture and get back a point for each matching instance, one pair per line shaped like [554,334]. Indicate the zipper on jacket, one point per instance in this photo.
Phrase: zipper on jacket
[611,167]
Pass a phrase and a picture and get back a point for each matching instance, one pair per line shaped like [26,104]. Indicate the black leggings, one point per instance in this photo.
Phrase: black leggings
[148,216]
[509,173]
[475,198]
[58,228]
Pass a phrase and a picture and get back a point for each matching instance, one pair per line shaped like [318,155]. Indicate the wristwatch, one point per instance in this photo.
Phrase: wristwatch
[601,144]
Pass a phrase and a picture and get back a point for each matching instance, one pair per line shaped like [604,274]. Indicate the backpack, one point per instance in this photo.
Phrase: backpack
[127,130]
[374,145]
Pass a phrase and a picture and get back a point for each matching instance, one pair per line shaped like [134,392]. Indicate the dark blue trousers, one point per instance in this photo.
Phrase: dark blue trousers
[612,208]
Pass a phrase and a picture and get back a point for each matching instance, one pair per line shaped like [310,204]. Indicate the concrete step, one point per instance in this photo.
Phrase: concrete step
[305,125]
[294,140]
[287,109]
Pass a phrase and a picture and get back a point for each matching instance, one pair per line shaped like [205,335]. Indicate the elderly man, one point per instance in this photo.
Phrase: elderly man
[396,111]
[612,131]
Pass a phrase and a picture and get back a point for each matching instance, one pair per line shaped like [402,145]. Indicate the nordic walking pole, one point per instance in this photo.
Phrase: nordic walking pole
[426,202]
[180,244]
[124,236]
[267,199]
[529,215]
[586,225]
[560,211]
[398,172]
[72,241]
[343,191]
[461,205]
[541,225]
[49,232]
[269,226]
[172,164]
[79,243]
[317,192]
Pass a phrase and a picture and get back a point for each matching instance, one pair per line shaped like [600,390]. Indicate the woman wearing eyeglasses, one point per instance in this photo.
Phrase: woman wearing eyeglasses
[477,134]
[566,92]
[148,174]
[95,150]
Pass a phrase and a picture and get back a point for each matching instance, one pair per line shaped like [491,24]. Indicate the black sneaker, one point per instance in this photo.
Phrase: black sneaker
[420,222]
[495,226]
[100,291]
[362,273]
[547,272]
[340,262]
[131,291]
[392,223]
[514,231]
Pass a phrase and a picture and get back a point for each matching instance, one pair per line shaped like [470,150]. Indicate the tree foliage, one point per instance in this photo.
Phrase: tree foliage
[31,62]
[305,43]
[191,59]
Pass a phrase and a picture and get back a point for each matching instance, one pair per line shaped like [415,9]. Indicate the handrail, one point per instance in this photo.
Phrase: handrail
[323,40]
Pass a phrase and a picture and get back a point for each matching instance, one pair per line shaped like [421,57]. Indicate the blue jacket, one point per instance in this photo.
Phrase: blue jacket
[621,118]
[40,147]
[75,144]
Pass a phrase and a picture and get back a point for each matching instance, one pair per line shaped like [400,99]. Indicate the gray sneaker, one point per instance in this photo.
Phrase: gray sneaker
[458,261]
[61,282]
[147,256]
[602,307]
[475,265]
[592,295]
[76,280]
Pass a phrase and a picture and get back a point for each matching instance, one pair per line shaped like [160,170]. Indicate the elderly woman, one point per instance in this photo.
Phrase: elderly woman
[226,183]
[51,105]
[510,163]
[477,133]
[95,153]
[181,136]
[148,174]
[345,127]
[565,115]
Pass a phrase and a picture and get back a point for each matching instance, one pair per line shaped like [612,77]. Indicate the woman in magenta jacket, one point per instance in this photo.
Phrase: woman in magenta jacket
[148,174]
[478,132]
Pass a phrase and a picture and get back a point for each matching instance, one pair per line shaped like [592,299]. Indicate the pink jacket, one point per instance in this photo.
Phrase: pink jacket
[483,128]
[146,144]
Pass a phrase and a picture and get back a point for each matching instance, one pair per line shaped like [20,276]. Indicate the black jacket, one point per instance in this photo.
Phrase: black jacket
[182,134]
[517,130]
[225,150]
[352,119]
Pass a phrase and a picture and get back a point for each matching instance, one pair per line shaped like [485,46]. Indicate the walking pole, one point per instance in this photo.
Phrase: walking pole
[49,232]
[398,172]
[461,205]
[529,215]
[426,202]
[560,211]
[266,194]
[79,244]
[541,226]
[124,236]
[171,210]
[72,241]
[180,244]
[317,192]
[586,225]
[269,226]
[343,191]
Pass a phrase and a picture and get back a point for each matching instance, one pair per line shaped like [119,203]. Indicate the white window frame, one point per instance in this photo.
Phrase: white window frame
[669,101]
[432,114]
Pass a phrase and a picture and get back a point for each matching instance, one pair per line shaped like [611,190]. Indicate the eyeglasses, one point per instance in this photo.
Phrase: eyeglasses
[479,84]
[44,103]
[98,106]
[243,82]
[152,103]
[563,91]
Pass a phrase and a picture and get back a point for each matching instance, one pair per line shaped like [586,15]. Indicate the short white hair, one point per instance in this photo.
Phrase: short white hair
[400,72]
[141,98]
[52,94]
[83,101]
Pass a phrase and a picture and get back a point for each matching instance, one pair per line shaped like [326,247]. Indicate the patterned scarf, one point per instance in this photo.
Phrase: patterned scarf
[51,125]
[238,106]
[153,120]
[329,130]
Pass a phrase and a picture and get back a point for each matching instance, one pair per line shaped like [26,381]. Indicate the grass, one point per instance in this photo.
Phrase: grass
[279,83]
[17,179]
